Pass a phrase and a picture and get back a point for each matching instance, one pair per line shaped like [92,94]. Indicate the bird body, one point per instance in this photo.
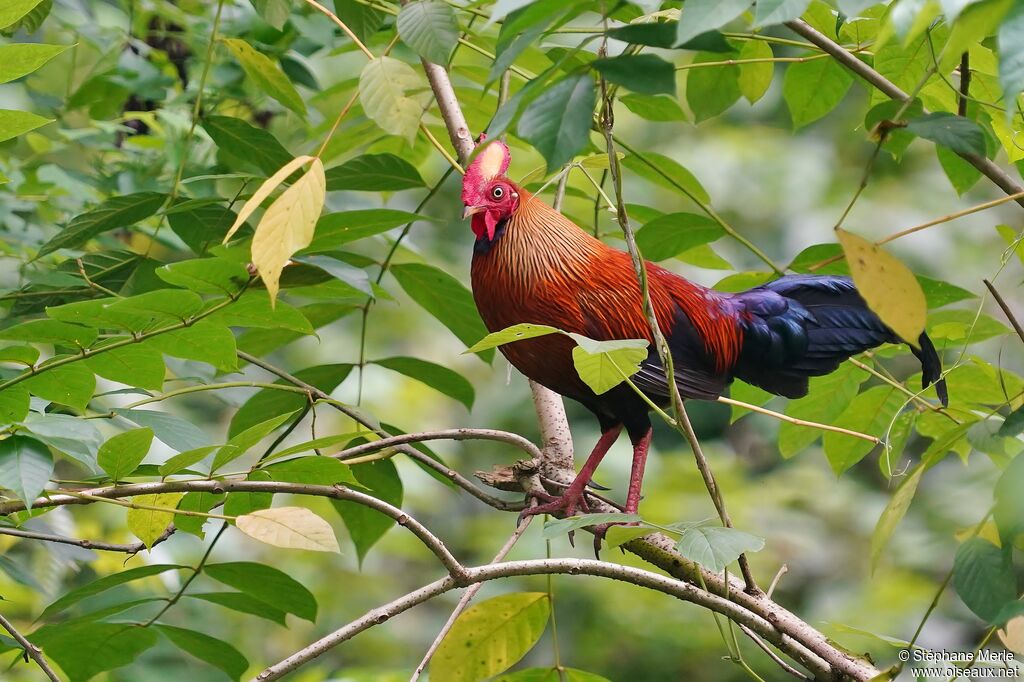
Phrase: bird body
[533,265]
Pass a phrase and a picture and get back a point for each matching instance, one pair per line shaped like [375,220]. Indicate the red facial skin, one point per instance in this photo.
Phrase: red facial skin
[490,206]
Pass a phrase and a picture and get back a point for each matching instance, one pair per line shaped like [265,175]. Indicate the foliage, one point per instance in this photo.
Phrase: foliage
[230,257]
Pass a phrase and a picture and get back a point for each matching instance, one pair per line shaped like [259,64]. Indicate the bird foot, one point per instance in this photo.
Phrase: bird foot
[557,505]
[600,532]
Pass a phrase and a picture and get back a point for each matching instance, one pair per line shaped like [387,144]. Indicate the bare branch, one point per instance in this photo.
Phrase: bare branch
[448,434]
[635,576]
[133,548]
[31,650]
[1006,309]
[993,172]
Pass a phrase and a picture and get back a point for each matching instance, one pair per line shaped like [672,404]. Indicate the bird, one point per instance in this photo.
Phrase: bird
[533,265]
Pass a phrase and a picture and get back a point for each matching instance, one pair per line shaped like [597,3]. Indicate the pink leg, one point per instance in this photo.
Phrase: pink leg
[636,478]
[574,494]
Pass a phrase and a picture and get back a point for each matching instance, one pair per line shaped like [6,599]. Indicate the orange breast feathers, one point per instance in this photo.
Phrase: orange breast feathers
[545,270]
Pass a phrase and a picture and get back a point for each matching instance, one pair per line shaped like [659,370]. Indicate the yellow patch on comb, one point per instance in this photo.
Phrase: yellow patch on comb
[490,161]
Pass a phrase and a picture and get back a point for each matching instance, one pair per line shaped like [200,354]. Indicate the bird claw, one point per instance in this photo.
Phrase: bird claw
[602,530]
[561,506]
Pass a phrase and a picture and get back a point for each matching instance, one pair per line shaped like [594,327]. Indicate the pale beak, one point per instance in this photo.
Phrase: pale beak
[472,210]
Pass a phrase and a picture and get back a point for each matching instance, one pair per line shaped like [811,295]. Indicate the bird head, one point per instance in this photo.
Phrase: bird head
[489,196]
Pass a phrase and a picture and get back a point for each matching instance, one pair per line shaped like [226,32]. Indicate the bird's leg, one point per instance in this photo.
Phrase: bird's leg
[636,479]
[575,495]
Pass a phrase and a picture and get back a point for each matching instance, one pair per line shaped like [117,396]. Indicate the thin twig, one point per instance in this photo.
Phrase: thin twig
[467,596]
[31,650]
[188,581]
[965,84]
[1006,309]
[993,172]
[772,655]
[799,422]
[133,548]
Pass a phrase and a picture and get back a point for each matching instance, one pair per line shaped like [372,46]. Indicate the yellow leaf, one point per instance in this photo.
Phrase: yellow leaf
[268,186]
[148,524]
[288,225]
[887,285]
[289,527]
[394,95]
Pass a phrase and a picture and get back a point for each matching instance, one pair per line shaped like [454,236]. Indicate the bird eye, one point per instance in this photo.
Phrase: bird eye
[498,192]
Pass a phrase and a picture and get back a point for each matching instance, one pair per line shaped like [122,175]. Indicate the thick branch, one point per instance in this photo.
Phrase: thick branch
[992,171]
[635,576]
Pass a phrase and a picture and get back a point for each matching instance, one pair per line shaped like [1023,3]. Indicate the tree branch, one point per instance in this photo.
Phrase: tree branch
[133,548]
[31,650]
[992,171]
[448,434]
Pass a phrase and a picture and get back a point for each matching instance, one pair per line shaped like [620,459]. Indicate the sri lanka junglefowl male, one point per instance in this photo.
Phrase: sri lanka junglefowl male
[531,264]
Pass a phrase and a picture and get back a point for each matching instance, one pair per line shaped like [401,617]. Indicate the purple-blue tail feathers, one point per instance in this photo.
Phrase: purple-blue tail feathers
[800,326]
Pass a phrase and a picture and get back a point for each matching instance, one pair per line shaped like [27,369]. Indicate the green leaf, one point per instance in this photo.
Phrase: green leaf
[961,173]
[50,331]
[603,365]
[711,90]
[430,28]
[22,355]
[77,438]
[445,298]
[14,404]
[363,20]
[663,34]
[111,645]
[71,385]
[206,275]
[812,89]
[122,453]
[216,652]
[269,403]
[983,577]
[438,377]
[25,467]
[643,73]
[1013,425]
[289,527]
[266,74]
[105,583]
[357,278]
[1008,511]
[204,341]
[14,123]
[172,430]
[196,501]
[186,459]
[556,528]
[13,10]
[516,332]
[199,223]
[491,636]
[114,213]
[314,470]
[243,603]
[243,441]
[134,365]
[771,12]
[699,16]
[1011,54]
[247,142]
[755,78]
[828,396]
[557,123]
[715,547]
[894,513]
[274,12]
[393,95]
[21,59]
[337,229]
[149,524]
[653,108]
[669,235]
[253,309]
[374,173]
[869,413]
[268,585]
[366,526]
[562,674]
[669,173]
[956,132]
